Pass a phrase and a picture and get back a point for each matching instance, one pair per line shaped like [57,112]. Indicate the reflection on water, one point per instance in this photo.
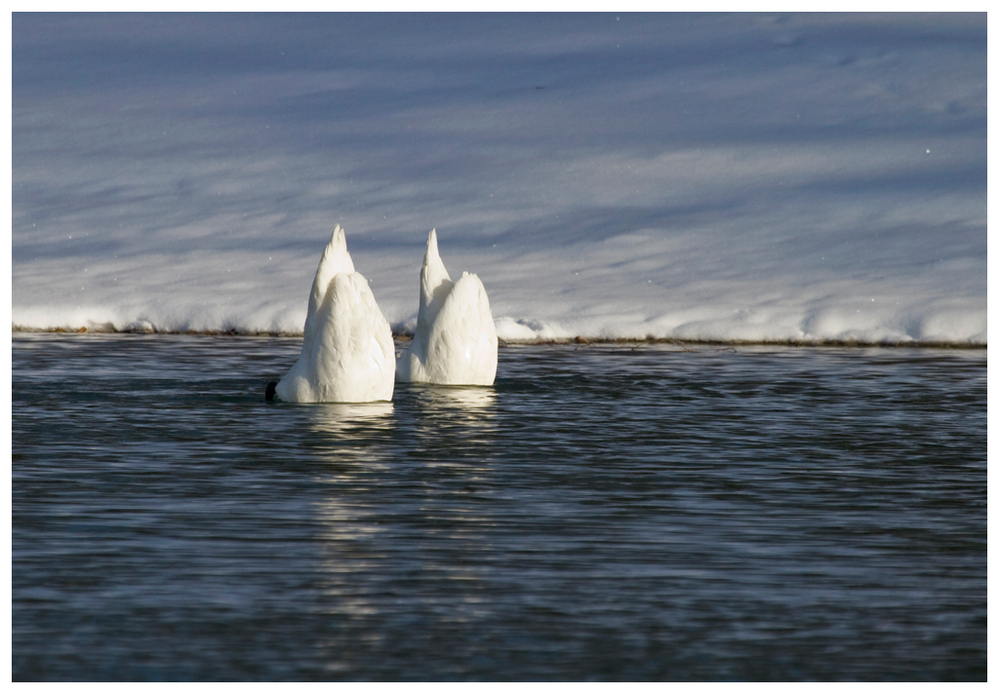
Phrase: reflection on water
[600,513]
[350,418]
[471,401]
[463,406]
[452,427]
[428,456]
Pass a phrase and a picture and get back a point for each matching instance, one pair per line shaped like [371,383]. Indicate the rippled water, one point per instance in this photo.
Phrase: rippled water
[601,513]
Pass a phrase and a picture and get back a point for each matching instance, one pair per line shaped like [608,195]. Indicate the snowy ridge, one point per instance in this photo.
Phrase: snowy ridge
[951,323]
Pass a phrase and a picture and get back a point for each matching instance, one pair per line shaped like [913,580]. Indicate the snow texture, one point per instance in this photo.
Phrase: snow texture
[747,177]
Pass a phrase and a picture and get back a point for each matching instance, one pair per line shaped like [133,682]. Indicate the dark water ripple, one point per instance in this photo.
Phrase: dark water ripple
[601,513]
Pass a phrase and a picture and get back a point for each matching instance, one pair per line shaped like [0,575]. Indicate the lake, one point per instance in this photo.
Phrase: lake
[604,512]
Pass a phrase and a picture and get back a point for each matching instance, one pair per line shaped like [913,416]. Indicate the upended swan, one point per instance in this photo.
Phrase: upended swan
[456,340]
[347,350]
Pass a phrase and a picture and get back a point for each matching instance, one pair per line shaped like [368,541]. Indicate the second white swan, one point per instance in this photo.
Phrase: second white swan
[456,340]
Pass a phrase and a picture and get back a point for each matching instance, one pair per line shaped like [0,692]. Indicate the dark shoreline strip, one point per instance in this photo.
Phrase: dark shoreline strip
[577,340]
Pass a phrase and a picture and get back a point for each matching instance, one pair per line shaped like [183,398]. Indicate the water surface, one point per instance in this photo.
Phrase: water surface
[603,512]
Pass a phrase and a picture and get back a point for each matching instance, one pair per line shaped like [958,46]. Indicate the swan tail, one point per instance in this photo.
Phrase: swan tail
[335,259]
[462,345]
[435,282]
[355,359]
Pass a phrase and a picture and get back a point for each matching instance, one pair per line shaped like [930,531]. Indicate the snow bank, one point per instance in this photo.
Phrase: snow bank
[690,177]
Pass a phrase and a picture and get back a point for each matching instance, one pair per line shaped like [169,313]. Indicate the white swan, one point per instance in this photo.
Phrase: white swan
[347,350]
[456,339]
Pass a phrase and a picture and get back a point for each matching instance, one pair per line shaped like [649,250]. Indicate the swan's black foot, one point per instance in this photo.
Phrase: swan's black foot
[269,391]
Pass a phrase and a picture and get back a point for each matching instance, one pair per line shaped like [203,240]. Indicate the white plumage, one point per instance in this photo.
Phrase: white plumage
[456,340]
[347,350]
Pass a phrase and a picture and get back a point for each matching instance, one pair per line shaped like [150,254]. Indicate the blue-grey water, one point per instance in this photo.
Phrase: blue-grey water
[601,513]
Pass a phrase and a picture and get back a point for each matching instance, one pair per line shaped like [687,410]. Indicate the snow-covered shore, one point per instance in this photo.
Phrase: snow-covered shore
[741,178]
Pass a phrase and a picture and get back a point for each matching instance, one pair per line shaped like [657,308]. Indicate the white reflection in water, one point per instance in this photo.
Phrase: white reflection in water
[473,405]
[348,529]
[351,418]
[439,435]
[455,425]
[474,400]
[351,436]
